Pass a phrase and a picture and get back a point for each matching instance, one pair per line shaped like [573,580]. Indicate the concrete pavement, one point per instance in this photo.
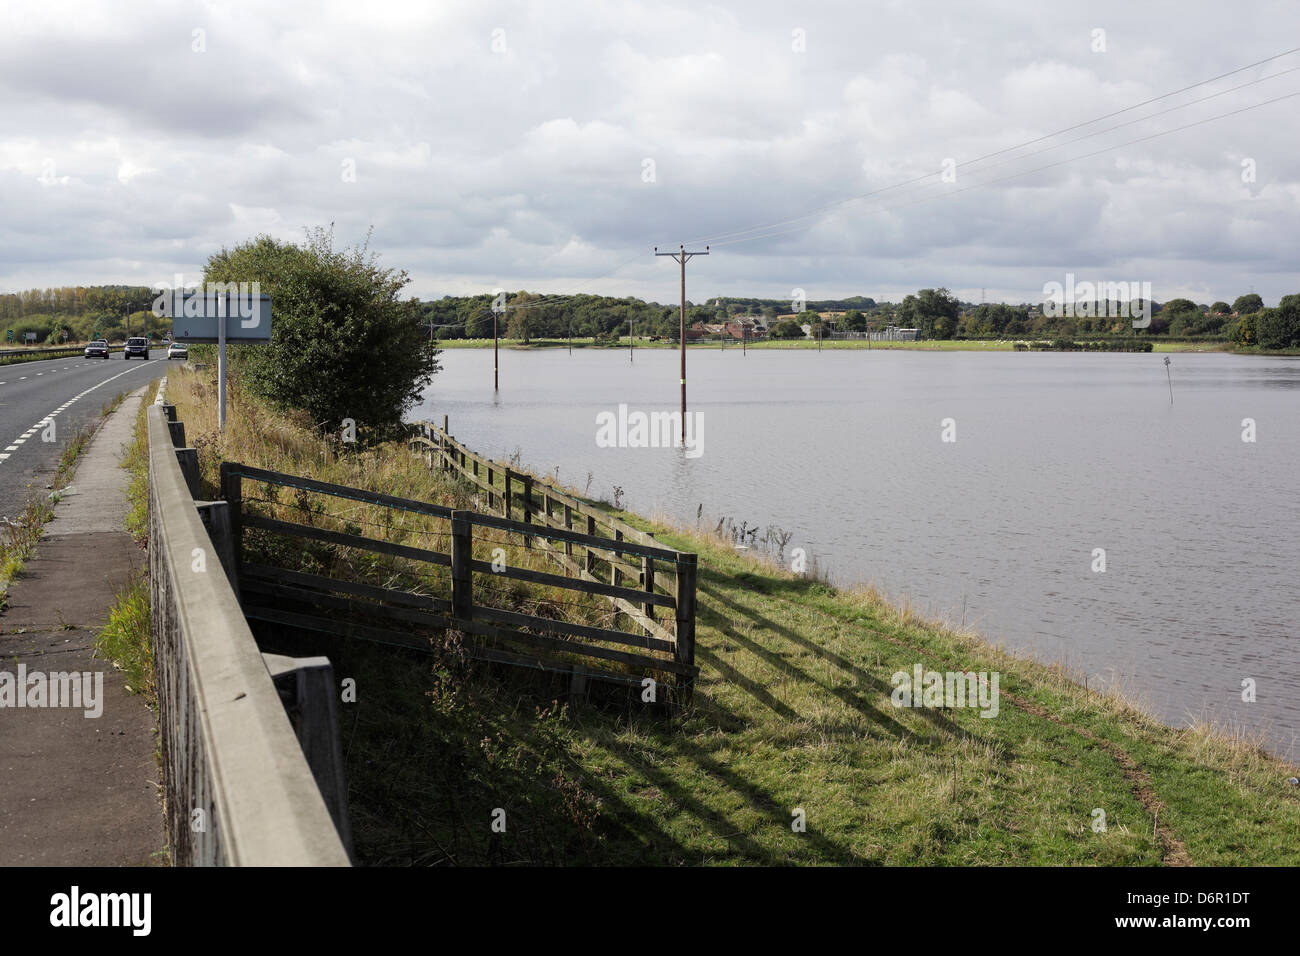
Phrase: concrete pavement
[77,789]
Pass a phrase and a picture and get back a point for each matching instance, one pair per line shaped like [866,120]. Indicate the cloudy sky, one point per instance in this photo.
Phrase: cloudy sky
[550,146]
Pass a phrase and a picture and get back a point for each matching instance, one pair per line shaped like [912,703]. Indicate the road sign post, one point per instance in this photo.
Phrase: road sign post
[219,317]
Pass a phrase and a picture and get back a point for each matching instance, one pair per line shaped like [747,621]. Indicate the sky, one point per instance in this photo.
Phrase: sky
[551,146]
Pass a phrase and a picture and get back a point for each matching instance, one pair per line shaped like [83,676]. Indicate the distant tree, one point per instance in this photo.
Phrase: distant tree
[519,324]
[855,321]
[1279,328]
[478,325]
[787,329]
[933,312]
[1221,308]
[1180,316]
[1247,304]
[1246,331]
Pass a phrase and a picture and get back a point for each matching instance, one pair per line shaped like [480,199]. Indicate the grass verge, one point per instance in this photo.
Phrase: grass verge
[793,751]
[125,639]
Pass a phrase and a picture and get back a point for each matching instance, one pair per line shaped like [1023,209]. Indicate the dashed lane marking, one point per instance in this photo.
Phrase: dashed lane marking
[48,419]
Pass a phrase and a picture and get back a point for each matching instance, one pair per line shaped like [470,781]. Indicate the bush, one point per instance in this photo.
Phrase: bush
[1279,328]
[343,345]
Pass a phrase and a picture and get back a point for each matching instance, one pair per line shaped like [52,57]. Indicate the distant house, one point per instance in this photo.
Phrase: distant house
[746,327]
[699,330]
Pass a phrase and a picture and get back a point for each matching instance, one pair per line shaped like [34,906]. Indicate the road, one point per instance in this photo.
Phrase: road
[69,390]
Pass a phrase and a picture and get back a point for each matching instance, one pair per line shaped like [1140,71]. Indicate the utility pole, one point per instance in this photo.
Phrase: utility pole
[629,341]
[682,257]
[496,365]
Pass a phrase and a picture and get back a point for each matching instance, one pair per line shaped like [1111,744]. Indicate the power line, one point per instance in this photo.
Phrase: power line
[717,238]
[1026,172]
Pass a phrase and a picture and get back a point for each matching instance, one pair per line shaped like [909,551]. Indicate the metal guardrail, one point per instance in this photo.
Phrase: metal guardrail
[70,350]
[239,789]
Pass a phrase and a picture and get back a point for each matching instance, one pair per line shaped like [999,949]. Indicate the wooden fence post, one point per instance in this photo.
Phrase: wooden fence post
[685,653]
[232,490]
[491,496]
[591,554]
[568,526]
[462,573]
[615,575]
[509,509]
[528,507]
[648,583]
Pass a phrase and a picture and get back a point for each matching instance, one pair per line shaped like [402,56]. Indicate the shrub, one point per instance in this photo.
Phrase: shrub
[343,344]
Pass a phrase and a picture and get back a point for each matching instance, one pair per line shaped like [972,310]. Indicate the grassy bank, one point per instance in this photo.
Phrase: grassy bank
[792,720]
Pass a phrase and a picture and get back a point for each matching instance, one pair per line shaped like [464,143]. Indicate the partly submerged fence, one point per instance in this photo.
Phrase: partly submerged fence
[661,605]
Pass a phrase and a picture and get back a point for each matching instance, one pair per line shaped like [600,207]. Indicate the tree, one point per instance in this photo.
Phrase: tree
[1248,304]
[787,329]
[1279,328]
[1246,331]
[343,345]
[1182,316]
[854,321]
[933,312]
[1221,308]
[519,324]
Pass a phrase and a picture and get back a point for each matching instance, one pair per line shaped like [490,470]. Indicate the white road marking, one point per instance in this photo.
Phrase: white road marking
[50,418]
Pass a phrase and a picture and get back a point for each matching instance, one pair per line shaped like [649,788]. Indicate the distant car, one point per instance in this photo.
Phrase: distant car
[178,350]
[136,346]
[97,349]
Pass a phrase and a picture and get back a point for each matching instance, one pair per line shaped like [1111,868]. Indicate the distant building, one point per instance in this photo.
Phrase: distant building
[893,333]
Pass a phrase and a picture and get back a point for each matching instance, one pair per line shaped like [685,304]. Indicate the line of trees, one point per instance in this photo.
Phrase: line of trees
[80,313]
[935,313]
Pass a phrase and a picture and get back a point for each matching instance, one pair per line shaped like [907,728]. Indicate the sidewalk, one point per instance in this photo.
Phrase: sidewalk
[77,790]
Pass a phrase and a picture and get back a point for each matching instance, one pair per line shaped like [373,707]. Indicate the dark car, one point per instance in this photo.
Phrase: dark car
[97,349]
[136,346]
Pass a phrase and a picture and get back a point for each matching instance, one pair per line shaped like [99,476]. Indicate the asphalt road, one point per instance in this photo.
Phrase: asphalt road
[71,391]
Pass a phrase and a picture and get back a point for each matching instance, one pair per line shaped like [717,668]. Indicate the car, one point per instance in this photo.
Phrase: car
[136,345]
[178,350]
[97,349]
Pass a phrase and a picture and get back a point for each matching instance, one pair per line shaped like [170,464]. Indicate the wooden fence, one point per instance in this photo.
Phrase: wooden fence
[595,565]
[510,493]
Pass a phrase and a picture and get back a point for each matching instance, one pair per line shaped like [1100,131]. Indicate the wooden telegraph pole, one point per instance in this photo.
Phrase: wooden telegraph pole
[682,257]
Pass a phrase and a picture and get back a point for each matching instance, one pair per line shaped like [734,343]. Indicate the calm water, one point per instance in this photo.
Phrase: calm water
[1056,454]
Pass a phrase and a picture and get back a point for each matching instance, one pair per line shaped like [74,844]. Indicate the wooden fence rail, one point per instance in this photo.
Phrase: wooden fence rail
[595,564]
[512,492]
